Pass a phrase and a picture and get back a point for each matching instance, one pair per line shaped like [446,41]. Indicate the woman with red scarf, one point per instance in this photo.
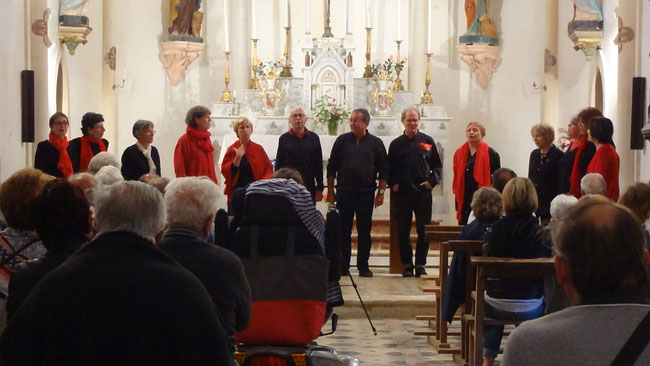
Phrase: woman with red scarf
[474,163]
[193,153]
[245,161]
[605,161]
[83,148]
[582,150]
[52,154]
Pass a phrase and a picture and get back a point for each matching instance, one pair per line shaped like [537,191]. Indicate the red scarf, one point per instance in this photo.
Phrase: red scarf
[64,164]
[203,138]
[87,152]
[481,172]
[575,177]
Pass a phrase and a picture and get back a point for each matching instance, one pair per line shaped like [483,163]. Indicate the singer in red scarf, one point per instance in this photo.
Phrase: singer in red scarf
[474,163]
[193,153]
[245,161]
[52,154]
[606,161]
[83,148]
[584,150]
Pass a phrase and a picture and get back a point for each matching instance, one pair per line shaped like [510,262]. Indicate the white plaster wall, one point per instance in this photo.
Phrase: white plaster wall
[643,59]
[14,155]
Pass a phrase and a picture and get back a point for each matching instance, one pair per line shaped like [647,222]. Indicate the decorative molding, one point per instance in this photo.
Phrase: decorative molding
[177,56]
[483,61]
[587,35]
[39,27]
[72,36]
[549,61]
[624,35]
[110,58]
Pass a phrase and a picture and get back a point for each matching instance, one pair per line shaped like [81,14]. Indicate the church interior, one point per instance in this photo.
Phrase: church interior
[527,62]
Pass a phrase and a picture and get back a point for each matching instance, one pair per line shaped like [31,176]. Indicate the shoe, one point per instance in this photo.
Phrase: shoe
[365,272]
[408,271]
[420,271]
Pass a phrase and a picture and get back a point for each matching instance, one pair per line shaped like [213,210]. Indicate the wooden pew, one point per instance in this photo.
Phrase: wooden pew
[470,248]
[494,267]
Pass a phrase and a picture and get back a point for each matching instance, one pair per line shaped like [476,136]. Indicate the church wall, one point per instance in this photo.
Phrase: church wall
[643,43]
[14,155]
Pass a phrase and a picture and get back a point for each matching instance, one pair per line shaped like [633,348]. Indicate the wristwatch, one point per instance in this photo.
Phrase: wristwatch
[381,191]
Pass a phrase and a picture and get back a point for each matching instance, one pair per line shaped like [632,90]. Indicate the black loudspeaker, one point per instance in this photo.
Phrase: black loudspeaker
[27,104]
[638,113]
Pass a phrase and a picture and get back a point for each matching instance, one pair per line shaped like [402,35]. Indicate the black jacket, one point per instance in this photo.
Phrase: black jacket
[546,175]
[135,164]
[303,154]
[413,161]
[74,150]
[47,159]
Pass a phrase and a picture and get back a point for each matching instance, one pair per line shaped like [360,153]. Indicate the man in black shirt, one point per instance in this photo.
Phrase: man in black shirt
[415,168]
[357,161]
[300,149]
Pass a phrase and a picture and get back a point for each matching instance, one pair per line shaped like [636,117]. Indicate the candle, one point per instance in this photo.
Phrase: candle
[234,95]
[253,27]
[367,13]
[307,16]
[399,18]
[348,23]
[288,15]
[226,25]
[429,26]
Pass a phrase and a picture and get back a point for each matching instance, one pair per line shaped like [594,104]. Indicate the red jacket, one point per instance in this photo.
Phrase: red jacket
[606,163]
[191,160]
[259,161]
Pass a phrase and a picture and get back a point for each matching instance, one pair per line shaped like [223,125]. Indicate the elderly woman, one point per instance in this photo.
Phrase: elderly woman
[101,160]
[141,158]
[605,161]
[487,208]
[637,199]
[61,217]
[52,154]
[474,163]
[583,151]
[193,152]
[513,236]
[566,163]
[544,168]
[245,161]
[83,148]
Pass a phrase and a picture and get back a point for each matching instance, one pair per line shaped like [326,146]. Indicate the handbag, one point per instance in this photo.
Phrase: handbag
[289,294]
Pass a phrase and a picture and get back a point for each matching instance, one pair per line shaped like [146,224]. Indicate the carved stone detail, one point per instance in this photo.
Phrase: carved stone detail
[177,56]
[482,59]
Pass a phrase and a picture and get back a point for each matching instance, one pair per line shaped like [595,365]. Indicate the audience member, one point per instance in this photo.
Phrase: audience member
[637,199]
[88,183]
[119,300]
[142,157]
[61,216]
[191,204]
[108,175]
[602,265]
[500,178]
[560,205]
[101,160]
[91,143]
[593,183]
[160,183]
[147,178]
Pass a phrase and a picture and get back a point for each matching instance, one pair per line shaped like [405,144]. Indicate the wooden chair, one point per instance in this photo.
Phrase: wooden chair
[469,247]
[494,267]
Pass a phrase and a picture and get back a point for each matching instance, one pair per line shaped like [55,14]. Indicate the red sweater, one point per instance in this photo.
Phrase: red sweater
[606,163]
[257,158]
[191,160]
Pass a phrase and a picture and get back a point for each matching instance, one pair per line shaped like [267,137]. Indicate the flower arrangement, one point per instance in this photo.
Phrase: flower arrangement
[273,67]
[330,114]
[388,66]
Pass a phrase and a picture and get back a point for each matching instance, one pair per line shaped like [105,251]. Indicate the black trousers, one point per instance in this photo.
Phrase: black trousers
[407,203]
[361,203]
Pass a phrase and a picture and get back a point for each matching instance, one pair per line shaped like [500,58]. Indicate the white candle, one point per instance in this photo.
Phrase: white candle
[399,18]
[253,27]
[226,25]
[234,94]
[307,16]
[367,13]
[348,23]
[429,26]
[288,15]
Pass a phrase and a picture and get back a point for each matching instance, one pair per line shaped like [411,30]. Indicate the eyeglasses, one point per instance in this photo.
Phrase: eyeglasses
[60,123]
[297,115]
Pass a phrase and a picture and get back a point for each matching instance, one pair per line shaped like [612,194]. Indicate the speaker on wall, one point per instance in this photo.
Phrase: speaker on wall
[638,113]
[27,104]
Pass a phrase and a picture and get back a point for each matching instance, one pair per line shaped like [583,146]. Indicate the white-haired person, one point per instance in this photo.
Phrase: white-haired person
[593,183]
[191,204]
[119,299]
[101,160]
[108,175]
[142,157]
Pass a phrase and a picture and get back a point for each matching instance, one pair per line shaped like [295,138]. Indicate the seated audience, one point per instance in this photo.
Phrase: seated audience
[191,206]
[88,183]
[160,183]
[82,149]
[61,217]
[487,206]
[101,160]
[602,265]
[593,183]
[637,199]
[108,175]
[118,300]
[513,236]
[142,157]
[500,177]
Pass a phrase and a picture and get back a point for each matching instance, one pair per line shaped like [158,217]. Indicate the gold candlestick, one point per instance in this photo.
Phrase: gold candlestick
[286,70]
[254,83]
[367,73]
[225,96]
[398,82]
[426,97]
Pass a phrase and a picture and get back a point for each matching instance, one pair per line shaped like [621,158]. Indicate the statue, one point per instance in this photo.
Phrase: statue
[482,28]
[470,11]
[72,7]
[187,25]
[587,10]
